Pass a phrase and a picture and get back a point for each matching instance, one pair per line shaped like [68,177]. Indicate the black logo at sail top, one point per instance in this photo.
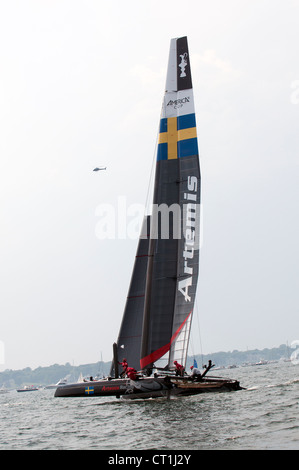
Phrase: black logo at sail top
[183,65]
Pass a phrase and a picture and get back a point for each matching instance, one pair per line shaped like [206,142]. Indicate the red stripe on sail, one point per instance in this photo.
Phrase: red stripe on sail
[154,356]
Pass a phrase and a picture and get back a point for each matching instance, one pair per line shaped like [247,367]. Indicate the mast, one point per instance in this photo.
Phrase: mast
[174,240]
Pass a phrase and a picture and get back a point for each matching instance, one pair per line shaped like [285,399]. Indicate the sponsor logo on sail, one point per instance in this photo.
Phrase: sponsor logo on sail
[191,209]
[179,103]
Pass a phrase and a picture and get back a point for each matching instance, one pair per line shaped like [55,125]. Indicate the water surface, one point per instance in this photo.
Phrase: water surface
[264,416]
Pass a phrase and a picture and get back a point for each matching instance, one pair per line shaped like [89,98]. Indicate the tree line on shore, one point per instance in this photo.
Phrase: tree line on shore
[52,374]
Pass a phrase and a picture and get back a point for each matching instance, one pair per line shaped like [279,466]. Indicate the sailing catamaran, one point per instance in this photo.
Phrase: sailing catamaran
[155,328]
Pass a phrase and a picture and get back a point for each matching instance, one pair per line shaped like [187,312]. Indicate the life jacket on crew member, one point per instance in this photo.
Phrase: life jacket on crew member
[131,373]
[124,365]
[179,369]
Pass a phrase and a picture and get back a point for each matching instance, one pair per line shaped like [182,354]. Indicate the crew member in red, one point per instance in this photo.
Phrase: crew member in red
[179,369]
[124,364]
[131,373]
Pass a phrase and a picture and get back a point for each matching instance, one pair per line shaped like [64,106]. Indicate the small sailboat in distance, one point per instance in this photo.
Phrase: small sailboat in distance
[154,332]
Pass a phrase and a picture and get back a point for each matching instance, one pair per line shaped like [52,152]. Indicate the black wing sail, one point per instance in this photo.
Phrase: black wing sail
[129,338]
[174,242]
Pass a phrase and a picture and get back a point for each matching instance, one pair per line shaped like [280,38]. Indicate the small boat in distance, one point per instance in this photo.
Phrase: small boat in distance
[28,389]
[262,362]
[155,329]
[60,382]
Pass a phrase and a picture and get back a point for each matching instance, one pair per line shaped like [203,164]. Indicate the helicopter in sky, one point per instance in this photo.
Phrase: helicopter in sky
[100,168]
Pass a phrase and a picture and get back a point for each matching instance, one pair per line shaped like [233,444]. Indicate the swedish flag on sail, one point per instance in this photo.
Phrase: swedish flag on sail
[177,137]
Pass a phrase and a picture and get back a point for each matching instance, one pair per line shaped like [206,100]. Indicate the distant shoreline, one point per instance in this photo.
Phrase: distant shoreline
[52,374]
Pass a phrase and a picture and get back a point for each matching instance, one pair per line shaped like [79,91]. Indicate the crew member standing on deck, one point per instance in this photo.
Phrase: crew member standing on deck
[124,365]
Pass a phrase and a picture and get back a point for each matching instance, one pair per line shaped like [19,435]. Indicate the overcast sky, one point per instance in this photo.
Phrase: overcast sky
[81,85]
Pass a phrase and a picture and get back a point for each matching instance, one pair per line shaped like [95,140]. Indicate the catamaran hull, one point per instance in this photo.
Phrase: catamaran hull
[113,387]
[146,387]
